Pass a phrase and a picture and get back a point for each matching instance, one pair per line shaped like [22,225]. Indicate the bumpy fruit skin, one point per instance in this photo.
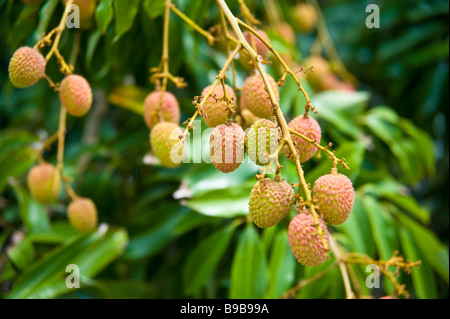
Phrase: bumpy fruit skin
[305,17]
[26,68]
[161,110]
[44,183]
[164,140]
[82,214]
[260,47]
[304,240]
[270,201]
[75,94]
[334,196]
[262,139]
[217,111]
[311,129]
[226,147]
[255,98]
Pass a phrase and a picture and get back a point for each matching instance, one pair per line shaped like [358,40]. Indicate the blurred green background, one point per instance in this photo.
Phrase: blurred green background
[175,233]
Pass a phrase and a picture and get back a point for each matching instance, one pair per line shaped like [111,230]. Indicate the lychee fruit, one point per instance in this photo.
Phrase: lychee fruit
[320,70]
[255,98]
[160,107]
[305,17]
[75,94]
[308,127]
[215,108]
[226,147]
[305,241]
[270,201]
[82,214]
[334,196]
[286,31]
[256,43]
[262,140]
[248,117]
[44,183]
[26,67]
[166,144]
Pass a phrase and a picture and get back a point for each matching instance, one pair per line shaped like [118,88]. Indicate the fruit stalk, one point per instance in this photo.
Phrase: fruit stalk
[208,94]
[280,117]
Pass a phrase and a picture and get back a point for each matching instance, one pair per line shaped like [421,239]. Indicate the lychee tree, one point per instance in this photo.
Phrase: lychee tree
[302,211]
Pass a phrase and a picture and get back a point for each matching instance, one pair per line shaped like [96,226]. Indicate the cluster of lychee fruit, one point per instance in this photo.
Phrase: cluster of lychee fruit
[26,68]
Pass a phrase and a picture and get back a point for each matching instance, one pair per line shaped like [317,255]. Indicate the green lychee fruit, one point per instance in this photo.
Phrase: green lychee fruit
[165,143]
[160,107]
[270,201]
[75,95]
[334,195]
[215,109]
[82,214]
[305,17]
[256,43]
[255,98]
[305,241]
[44,183]
[262,140]
[226,147]
[26,68]
[308,127]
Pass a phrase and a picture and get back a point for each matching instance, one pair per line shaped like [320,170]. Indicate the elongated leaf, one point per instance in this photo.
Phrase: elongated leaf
[249,268]
[205,257]
[424,283]
[154,8]
[47,277]
[33,214]
[125,12]
[281,266]
[44,17]
[104,14]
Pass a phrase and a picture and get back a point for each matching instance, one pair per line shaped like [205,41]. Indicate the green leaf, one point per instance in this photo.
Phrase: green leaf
[125,12]
[154,8]
[225,203]
[431,248]
[60,232]
[422,277]
[33,214]
[47,277]
[249,268]
[23,254]
[104,14]
[204,259]
[45,16]
[281,266]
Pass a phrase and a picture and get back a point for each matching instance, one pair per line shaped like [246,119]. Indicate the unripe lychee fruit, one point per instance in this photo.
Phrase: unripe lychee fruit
[255,98]
[305,241]
[305,17]
[308,127]
[82,214]
[75,94]
[286,31]
[44,183]
[256,43]
[161,108]
[26,68]
[249,117]
[165,142]
[334,196]
[262,140]
[319,72]
[226,147]
[270,201]
[216,109]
